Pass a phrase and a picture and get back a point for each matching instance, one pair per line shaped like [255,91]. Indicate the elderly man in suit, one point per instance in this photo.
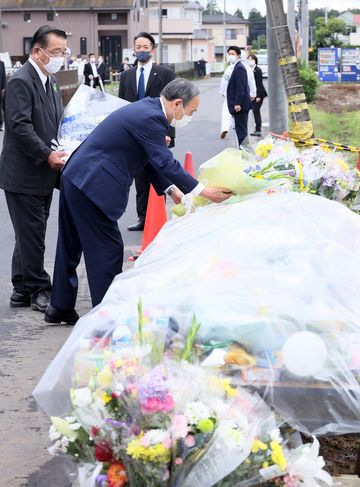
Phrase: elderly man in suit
[238,100]
[95,189]
[29,166]
[146,79]
[2,88]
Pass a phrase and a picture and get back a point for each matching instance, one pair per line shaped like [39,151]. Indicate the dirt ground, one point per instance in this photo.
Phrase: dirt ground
[340,453]
[338,97]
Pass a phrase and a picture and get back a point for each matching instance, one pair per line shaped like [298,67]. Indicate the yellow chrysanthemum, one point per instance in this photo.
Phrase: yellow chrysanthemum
[154,453]
[258,445]
[277,455]
[104,377]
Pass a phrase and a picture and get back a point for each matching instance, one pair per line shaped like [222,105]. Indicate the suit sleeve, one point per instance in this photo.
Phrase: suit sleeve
[122,85]
[162,168]
[3,76]
[18,107]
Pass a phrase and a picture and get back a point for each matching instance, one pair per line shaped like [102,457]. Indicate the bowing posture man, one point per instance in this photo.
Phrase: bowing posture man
[95,189]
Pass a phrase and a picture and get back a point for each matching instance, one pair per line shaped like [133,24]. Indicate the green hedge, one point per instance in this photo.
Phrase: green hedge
[310,82]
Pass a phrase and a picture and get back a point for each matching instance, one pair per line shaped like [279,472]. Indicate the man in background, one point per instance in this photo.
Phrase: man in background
[91,73]
[102,69]
[29,166]
[146,79]
[2,88]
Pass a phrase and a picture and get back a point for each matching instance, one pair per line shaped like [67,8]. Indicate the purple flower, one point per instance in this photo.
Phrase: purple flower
[153,385]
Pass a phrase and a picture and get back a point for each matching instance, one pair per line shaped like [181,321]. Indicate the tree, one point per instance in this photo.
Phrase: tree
[257,25]
[325,35]
[238,13]
[212,8]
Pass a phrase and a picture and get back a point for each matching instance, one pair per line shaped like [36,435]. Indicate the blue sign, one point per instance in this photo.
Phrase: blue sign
[350,65]
[328,64]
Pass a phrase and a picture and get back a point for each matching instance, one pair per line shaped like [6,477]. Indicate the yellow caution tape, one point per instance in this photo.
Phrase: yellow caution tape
[326,145]
[287,60]
[302,130]
[298,97]
[299,107]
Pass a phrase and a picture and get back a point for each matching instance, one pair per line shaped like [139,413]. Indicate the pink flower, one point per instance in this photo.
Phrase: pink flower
[179,426]
[155,405]
[190,441]
[178,461]
[166,475]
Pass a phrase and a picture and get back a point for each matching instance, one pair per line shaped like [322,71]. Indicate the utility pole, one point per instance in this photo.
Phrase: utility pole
[1,27]
[291,20]
[159,48]
[224,27]
[278,113]
[304,13]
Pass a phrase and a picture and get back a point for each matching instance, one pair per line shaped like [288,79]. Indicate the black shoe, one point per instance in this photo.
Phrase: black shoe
[137,226]
[54,315]
[41,300]
[19,299]
[223,134]
[256,134]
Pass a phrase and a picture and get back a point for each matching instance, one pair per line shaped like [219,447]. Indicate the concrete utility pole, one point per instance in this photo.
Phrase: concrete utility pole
[224,27]
[281,53]
[304,14]
[159,48]
[1,40]
[278,113]
[291,20]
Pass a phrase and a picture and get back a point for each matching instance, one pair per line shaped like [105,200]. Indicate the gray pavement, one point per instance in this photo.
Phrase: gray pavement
[27,346]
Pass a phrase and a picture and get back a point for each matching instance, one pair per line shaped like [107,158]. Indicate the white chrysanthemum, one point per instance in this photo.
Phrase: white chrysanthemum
[81,397]
[153,437]
[64,443]
[196,411]
[54,433]
[275,435]
[55,448]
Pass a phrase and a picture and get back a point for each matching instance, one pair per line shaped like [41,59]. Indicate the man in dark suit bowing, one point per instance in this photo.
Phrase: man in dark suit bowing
[29,167]
[238,99]
[146,79]
[95,187]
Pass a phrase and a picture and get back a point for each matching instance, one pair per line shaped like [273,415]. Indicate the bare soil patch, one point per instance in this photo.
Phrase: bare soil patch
[338,97]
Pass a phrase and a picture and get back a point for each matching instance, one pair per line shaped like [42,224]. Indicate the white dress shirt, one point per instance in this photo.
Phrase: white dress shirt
[42,76]
[94,70]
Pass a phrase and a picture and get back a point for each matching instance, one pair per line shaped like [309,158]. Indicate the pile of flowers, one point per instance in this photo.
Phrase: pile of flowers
[144,412]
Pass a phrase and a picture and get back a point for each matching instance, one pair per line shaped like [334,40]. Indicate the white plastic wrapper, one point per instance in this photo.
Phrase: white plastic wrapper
[86,109]
[274,282]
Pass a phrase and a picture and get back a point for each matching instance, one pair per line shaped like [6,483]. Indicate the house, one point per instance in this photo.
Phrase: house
[353,22]
[182,36]
[100,26]
[236,32]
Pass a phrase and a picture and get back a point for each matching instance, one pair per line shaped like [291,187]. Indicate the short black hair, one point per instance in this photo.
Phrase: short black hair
[91,54]
[254,57]
[234,48]
[40,38]
[147,36]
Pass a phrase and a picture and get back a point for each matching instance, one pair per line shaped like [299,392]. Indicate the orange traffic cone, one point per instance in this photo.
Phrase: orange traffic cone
[189,164]
[358,163]
[155,218]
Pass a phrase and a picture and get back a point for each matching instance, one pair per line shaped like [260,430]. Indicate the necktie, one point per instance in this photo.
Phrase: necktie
[50,94]
[141,85]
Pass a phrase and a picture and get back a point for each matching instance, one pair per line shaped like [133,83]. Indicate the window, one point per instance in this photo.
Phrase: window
[164,12]
[230,34]
[27,17]
[83,46]
[114,16]
[50,16]
[27,45]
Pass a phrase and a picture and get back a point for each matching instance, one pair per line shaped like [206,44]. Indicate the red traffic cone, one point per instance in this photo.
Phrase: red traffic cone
[155,218]
[358,163]
[189,164]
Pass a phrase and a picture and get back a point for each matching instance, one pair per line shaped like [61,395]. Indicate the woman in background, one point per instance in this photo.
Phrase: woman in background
[260,93]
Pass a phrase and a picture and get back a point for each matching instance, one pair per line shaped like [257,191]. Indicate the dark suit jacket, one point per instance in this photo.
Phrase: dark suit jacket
[238,90]
[260,88]
[2,77]
[31,124]
[159,77]
[87,72]
[101,69]
[127,141]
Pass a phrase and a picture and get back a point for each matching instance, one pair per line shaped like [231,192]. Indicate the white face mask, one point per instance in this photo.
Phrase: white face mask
[92,59]
[182,122]
[231,58]
[54,65]
[251,63]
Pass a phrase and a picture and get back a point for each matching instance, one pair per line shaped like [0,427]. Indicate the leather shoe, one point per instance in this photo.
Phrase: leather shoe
[55,315]
[19,299]
[137,226]
[41,300]
[223,134]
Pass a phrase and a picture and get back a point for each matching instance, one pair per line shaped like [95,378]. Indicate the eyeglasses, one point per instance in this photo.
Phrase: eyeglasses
[58,52]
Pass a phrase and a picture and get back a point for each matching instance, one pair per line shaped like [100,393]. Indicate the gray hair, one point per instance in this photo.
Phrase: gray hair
[180,88]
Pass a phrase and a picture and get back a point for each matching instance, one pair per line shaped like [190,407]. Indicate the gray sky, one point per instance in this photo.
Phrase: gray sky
[247,5]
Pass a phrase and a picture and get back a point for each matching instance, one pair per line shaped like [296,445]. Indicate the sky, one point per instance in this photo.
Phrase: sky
[246,5]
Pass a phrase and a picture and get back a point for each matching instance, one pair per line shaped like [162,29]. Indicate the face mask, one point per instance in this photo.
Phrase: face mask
[231,58]
[54,65]
[251,63]
[143,56]
[92,59]
[182,122]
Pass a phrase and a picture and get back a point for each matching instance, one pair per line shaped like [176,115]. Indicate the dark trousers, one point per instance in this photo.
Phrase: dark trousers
[29,214]
[84,228]
[241,123]
[256,106]
[142,184]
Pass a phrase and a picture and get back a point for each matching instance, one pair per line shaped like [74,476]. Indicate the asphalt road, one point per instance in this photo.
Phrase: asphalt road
[27,345]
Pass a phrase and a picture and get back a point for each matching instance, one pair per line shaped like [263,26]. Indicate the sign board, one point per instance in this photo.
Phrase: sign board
[328,64]
[350,65]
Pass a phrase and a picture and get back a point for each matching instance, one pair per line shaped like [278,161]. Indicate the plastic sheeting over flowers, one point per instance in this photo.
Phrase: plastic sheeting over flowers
[274,281]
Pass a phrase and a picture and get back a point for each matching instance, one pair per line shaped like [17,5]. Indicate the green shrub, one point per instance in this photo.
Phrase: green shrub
[309,81]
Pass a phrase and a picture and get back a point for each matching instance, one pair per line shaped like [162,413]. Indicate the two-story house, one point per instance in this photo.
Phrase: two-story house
[353,22]
[100,26]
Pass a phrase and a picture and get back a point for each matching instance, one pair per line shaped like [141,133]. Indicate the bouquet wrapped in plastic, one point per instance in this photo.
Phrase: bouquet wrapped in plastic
[86,109]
